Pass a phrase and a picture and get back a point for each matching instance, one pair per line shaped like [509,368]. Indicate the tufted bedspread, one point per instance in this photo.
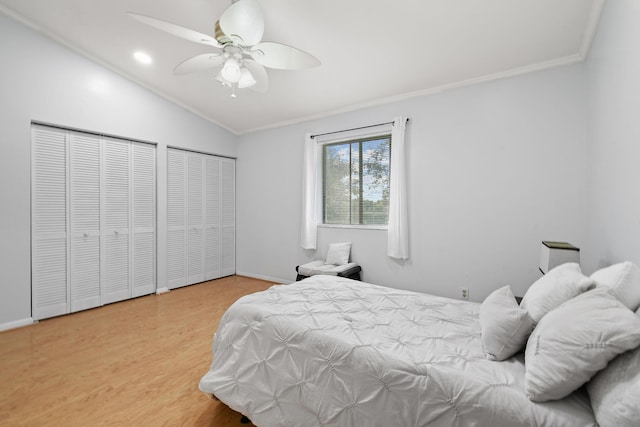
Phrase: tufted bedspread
[332,351]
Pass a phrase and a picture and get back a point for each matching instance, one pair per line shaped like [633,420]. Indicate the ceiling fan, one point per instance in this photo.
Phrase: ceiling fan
[237,48]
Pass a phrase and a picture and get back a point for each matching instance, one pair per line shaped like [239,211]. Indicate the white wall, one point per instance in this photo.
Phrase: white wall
[43,81]
[493,170]
[613,82]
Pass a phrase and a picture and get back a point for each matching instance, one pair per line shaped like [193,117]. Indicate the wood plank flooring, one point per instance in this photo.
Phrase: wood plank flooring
[132,363]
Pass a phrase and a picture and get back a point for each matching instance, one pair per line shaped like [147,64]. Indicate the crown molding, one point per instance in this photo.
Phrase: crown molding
[560,62]
[592,27]
[582,54]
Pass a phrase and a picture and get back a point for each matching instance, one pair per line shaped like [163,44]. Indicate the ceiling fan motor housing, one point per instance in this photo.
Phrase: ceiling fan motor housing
[220,36]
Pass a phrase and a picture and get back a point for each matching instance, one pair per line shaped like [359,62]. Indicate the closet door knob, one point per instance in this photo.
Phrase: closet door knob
[85,234]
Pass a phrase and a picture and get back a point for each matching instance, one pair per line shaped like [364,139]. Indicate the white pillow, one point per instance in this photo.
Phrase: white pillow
[560,284]
[338,253]
[505,326]
[615,391]
[573,342]
[623,280]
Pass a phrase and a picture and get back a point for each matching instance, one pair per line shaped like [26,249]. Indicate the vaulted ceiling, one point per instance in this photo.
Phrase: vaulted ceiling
[372,51]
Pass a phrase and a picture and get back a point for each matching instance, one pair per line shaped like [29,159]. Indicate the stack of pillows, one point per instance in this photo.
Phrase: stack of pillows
[573,326]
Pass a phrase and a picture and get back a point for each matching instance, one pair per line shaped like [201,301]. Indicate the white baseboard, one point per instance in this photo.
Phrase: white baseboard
[162,291]
[267,278]
[16,324]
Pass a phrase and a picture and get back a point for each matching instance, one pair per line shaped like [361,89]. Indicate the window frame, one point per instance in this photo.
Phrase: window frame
[360,138]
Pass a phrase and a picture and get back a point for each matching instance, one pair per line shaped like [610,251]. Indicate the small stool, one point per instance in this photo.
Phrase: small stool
[350,270]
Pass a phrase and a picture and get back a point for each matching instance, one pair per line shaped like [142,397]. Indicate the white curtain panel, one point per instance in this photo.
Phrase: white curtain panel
[309,235]
[398,228]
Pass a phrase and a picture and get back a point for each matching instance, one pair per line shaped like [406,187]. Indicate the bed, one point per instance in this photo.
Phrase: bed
[333,351]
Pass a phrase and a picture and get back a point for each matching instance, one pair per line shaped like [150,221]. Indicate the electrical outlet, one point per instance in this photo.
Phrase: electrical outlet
[464,293]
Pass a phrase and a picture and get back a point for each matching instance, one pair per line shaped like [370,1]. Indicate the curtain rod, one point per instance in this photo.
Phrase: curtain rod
[361,127]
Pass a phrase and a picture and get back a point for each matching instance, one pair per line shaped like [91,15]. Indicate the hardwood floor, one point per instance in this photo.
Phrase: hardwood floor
[132,363]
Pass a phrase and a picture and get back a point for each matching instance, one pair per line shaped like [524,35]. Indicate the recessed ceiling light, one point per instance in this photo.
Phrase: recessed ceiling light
[142,58]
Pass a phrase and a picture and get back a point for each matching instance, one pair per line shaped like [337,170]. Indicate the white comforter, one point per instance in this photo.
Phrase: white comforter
[333,351]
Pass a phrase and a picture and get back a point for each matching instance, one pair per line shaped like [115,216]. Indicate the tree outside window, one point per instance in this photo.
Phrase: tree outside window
[356,181]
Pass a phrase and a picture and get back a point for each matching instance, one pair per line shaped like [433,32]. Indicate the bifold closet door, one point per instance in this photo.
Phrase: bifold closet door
[176,218]
[129,212]
[49,222]
[115,229]
[201,217]
[143,219]
[212,215]
[84,274]
[195,218]
[93,220]
[228,244]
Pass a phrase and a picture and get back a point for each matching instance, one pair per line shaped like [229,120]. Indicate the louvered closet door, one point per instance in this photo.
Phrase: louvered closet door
[228,216]
[176,218]
[115,224]
[195,218]
[212,231]
[143,215]
[84,277]
[49,222]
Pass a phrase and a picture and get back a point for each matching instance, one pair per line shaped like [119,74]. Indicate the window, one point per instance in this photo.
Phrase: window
[355,186]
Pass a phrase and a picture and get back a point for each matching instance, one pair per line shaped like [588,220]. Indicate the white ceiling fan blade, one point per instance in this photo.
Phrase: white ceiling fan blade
[243,23]
[199,63]
[176,30]
[282,57]
[259,74]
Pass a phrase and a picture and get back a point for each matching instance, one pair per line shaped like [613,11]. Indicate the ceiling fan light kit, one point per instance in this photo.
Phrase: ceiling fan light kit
[233,71]
[239,52]
[246,79]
